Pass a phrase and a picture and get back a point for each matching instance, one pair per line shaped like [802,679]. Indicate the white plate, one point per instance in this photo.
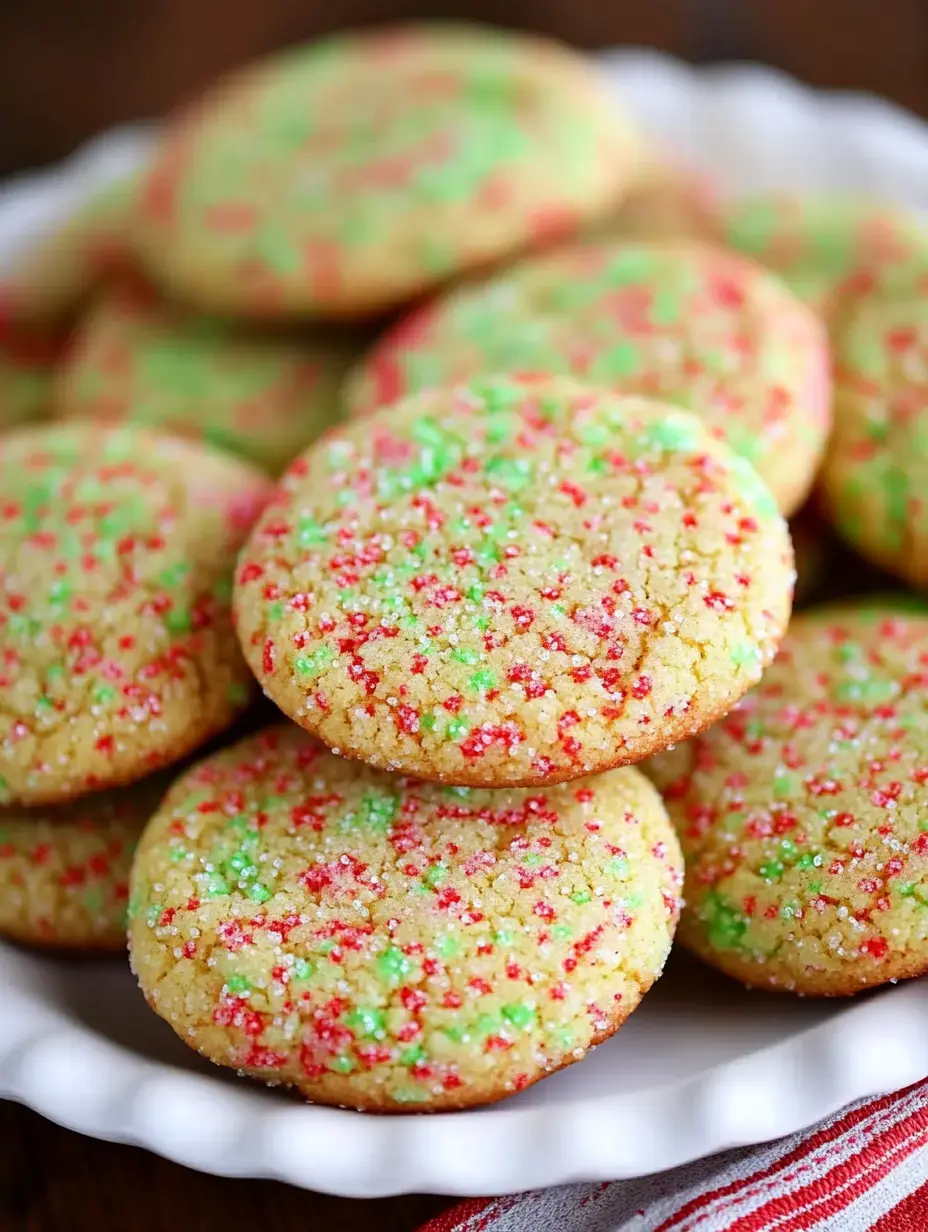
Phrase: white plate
[702,1065]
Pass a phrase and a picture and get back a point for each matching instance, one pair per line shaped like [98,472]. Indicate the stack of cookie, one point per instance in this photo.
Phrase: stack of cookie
[546,541]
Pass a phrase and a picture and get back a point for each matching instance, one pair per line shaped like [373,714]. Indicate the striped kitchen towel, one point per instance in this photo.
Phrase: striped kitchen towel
[864,1170]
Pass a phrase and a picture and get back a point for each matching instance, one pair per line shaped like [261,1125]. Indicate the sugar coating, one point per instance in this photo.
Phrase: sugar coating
[803,814]
[264,396]
[64,870]
[117,653]
[387,944]
[830,250]
[347,176]
[875,477]
[506,583]
[666,199]
[50,279]
[675,319]
[27,362]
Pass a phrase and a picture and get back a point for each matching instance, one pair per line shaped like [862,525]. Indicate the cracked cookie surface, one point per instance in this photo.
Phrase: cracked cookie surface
[676,319]
[388,944]
[803,816]
[511,583]
[117,653]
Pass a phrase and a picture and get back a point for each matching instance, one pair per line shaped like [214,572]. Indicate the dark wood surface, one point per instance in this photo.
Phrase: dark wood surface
[55,1181]
[68,70]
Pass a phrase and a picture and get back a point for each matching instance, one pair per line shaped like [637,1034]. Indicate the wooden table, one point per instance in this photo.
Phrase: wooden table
[55,1181]
[67,71]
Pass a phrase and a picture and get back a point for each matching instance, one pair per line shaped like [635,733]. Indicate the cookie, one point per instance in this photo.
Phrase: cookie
[348,176]
[266,397]
[803,814]
[677,320]
[52,277]
[830,250]
[117,653]
[27,365]
[64,871]
[666,199]
[875,478]
[391,945]
[505,583]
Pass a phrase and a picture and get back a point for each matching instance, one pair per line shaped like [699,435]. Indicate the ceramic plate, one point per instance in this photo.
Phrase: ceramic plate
[703,1065]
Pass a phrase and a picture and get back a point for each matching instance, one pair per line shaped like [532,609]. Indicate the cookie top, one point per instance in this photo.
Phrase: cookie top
[393,945]
[344,177]
[677,320]
[117,653]
[830,250]
[505,583]
[875,477]
[64,871]
[803,813]
[135,358]
[51,278]
[27,364]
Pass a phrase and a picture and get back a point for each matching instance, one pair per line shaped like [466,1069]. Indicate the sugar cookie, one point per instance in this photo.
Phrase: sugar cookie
[676,320]
[803,814]
[345,177]
[117,653]
[392,945]
[506,583]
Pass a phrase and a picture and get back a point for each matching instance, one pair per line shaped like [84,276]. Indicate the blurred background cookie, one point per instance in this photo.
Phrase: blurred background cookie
[678,320]
[135,358]
[345,177]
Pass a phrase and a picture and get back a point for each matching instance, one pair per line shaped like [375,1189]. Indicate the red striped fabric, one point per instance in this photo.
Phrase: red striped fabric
[864,1170]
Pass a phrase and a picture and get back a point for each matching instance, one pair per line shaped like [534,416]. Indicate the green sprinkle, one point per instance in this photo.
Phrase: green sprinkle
[410,1095]
[482,681]
[520,1015]
[725,924]
[672,432]
[446,946]
[238,983]
[393,965]
[435,875]
[177,621]
[368,1022]
[379,811]
[311,533]
[745,654]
